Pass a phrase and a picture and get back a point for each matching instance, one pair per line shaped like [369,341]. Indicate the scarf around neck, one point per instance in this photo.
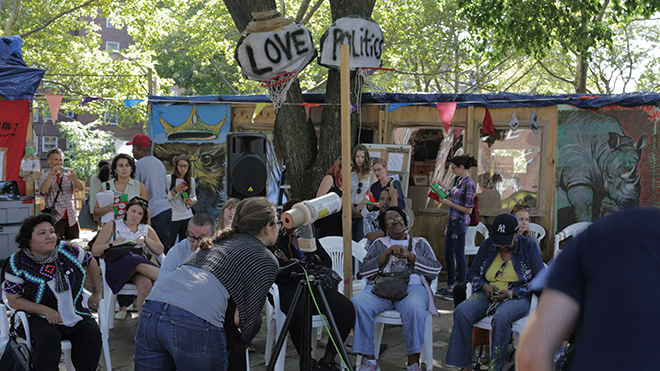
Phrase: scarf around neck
[61,284]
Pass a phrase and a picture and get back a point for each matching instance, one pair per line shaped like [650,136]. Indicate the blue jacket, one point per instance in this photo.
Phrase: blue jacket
[527,263]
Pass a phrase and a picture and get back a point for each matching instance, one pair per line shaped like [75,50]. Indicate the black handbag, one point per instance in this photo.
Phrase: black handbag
[17,356]
[392,285]
[51,210]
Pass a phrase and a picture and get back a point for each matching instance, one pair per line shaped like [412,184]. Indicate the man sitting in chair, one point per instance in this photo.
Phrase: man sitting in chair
[200,226]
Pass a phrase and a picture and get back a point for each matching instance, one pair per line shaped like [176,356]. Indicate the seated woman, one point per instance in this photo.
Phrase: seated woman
[341,307]
[195,302]
[522,214]
[134,268]
[45,279]
[395,252]
[500,275]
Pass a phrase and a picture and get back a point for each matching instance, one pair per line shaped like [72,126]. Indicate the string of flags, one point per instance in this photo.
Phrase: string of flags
[55,101]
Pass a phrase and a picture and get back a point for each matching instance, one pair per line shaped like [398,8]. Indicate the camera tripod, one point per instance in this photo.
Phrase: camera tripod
[306,347]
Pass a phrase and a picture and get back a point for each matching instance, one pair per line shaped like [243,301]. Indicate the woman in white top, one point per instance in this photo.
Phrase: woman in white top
[361,179]
[122,172]
[134,268]
[182,197]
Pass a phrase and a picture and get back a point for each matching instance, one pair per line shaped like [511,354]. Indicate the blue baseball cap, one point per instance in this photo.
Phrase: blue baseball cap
[504,228]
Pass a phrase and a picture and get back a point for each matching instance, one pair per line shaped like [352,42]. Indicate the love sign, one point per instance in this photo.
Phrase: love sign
[362,35]
[262,55]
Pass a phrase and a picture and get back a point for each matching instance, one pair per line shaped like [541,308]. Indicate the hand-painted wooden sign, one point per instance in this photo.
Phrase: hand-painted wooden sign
[262,55]
[364,37]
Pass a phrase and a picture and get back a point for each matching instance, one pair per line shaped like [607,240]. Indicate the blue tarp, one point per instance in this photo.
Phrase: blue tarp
[17,81]
[493,100]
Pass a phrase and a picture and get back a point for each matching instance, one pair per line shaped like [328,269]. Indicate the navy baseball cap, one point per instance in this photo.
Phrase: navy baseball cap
[504,228]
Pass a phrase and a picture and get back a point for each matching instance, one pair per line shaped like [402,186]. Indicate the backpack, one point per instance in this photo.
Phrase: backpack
[474,215]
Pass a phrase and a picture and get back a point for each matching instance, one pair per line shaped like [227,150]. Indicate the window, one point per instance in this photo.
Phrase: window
[48,143]
[70,114]
[509,170]
[110,118]
[35,115]
[108,23]
[68,145]
[111,46]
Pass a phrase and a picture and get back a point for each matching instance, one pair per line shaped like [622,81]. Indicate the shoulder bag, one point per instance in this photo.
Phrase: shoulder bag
[51,210]
[118,251]
[393,285]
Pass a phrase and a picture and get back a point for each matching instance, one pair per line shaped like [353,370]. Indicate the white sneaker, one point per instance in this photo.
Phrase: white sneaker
[367,366]
[120,315]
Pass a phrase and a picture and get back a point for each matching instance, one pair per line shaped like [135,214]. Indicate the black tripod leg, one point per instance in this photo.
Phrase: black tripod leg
[333,328]
[285,328]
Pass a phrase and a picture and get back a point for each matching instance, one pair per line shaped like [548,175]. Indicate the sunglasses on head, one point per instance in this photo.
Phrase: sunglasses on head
[520,207]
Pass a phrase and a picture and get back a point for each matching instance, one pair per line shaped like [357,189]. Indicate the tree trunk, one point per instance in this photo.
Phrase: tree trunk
[13,17]
[581,74]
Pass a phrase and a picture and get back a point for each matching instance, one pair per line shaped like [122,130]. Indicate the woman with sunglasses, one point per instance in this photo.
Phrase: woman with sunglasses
[361,178]
[134,268]
[500,277]
[395,252]
[182,197]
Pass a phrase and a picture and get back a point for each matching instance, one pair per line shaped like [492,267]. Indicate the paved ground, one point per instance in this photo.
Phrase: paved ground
[393,358]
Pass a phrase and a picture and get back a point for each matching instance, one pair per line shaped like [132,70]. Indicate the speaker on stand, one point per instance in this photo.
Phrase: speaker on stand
[247,174]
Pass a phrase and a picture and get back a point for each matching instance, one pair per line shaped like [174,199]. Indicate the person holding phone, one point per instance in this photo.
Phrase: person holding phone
[500,276]
[57,187]
[182,197]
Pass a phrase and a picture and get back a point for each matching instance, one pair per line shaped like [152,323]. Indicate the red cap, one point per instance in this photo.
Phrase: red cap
[141,140]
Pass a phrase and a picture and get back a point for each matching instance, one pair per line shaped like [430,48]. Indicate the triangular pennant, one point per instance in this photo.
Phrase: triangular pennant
[514,123]
[446,111]
[54,102]
[488,127]
[89,99]
[132,102]
[258,107]
[396,106]
[533,124]
[308,106]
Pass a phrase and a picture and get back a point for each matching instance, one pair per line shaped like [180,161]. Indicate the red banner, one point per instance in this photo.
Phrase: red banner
[14,120]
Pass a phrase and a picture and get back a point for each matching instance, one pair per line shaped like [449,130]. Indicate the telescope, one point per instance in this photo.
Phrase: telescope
[304,213]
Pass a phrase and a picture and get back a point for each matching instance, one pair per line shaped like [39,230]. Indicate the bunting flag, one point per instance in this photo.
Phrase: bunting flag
[258,107]
[88,100]
[308,106]
[514,123]
[132,102]
[54,102]
[488,127]
[396,106]
[533,124]
[446,111]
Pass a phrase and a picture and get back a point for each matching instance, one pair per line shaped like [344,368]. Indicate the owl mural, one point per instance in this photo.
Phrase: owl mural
[199,132]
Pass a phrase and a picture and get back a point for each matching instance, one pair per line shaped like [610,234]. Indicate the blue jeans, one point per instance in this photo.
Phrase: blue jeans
[413,308]
[455,251]
[170,338]
[161,225]
[472,311]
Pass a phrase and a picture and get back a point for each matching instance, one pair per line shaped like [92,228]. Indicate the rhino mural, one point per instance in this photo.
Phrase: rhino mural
[597,165]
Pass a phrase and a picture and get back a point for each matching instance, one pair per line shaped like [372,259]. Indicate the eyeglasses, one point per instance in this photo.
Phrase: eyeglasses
[398,219]
[193,238]
[379,169]
[359,190]
[500,272]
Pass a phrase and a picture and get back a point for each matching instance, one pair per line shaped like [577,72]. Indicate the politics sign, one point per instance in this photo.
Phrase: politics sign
[362,35]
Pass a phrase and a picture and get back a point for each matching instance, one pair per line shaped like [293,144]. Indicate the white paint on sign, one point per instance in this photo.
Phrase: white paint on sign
[362,35]
[263,55]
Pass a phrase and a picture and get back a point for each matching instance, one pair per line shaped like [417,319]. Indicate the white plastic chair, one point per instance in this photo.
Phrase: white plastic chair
[471,247]
[107,308]
[537,231]
[393,317]
[570,231]
[334,246]
[516,328]
[22,320]
[275,321]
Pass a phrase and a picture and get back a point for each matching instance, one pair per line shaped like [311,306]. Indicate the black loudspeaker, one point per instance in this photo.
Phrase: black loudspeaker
[246,174]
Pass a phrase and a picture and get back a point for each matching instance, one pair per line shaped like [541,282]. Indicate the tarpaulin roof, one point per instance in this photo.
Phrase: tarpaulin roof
[493,100]
[17,81]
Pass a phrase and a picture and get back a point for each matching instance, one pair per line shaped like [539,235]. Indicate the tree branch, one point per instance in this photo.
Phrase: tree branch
[13,17]
[309,15]
[521,76]
[222,76]
[560,78]
[302,10]
[88,2]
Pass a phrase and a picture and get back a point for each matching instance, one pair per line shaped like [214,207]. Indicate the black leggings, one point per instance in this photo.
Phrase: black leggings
[85,338]
[179,229]
[341,307]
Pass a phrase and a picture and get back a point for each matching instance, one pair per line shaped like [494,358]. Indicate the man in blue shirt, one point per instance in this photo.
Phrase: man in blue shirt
[200,226]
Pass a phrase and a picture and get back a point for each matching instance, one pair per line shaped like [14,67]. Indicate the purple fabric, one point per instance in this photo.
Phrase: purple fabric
[118,272]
